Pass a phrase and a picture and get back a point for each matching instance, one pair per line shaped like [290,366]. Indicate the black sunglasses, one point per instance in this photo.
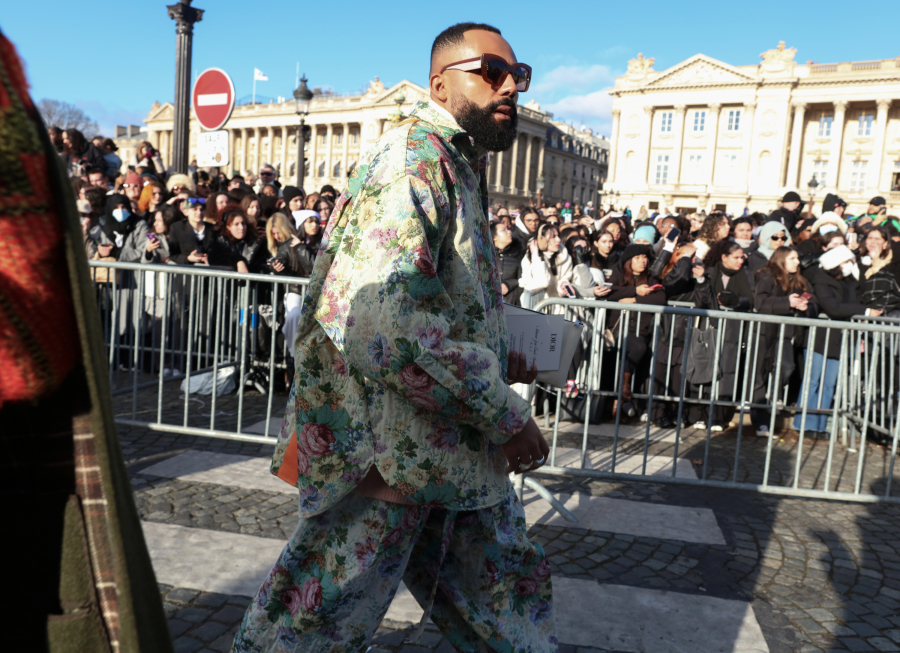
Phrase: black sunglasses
[493,69]
[778,238]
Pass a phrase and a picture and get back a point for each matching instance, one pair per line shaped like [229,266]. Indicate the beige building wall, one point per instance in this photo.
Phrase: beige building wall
[706,135]
[342,127]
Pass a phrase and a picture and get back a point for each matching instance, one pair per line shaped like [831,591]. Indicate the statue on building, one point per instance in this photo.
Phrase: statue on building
[376,86]
[640,67]
[779,58]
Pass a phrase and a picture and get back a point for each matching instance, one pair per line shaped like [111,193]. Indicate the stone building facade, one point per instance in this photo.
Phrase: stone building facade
[708,135]
[571,164]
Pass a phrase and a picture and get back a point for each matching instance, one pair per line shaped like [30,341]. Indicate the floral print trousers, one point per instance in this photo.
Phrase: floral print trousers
[335,580]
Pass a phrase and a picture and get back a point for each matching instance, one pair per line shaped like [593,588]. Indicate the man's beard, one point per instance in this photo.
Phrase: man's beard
[479,123]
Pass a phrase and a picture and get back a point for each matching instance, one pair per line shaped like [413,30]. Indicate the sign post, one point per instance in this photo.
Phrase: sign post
[213,102]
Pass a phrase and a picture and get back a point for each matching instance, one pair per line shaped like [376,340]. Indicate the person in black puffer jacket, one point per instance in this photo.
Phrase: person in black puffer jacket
[780,290]
[510,252]
[631,284]
[789,213]
[837,293]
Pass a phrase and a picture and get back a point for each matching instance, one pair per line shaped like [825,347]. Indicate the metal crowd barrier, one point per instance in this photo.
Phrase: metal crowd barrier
[865,400]
[168,327]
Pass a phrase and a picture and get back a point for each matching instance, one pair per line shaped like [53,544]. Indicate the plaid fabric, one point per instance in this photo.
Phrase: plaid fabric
[95,509]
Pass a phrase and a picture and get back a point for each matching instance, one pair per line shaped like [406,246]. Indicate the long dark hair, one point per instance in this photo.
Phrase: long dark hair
[790,283]
[710,227]
[628,273]
[719,249]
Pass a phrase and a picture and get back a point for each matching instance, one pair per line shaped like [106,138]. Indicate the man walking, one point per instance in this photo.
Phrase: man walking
[401,427]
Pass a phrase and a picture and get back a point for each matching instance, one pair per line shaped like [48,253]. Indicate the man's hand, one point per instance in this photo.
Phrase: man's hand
[517,369]
[527,450]
[105,250]
[197,257]
[504,288]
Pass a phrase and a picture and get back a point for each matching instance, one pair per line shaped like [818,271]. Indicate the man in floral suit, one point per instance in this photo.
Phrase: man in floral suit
[401,427]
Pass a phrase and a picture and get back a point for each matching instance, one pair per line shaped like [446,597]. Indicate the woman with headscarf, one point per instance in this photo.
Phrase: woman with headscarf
[772,235]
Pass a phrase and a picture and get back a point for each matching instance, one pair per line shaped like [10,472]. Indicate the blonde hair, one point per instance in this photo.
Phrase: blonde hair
[282,225]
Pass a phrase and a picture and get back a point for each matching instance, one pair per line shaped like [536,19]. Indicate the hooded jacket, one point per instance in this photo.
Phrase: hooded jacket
[509,261]
[787,218]
[128,238]
[757,259]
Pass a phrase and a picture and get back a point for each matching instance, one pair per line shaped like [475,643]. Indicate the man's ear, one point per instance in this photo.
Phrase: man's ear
[439,90]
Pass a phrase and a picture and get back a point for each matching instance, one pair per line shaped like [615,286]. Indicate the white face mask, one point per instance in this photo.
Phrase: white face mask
[121,215]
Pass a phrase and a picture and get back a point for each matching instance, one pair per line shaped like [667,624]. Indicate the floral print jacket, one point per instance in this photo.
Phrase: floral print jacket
[401,348]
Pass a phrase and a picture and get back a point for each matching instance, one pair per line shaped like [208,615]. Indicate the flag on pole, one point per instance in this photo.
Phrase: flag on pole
[259,75]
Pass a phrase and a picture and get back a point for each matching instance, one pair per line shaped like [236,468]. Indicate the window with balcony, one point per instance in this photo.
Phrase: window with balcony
[552,164]
[662,169]
[354,137]
[551,188]
[728,169]
[825,125]
[339,137]
[734,120]
[665,121]
[864,126]
[553,141]
[323,139]
[858,176]
[820,172]
[699,121]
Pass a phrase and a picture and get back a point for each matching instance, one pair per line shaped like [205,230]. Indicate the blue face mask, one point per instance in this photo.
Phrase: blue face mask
[121,215]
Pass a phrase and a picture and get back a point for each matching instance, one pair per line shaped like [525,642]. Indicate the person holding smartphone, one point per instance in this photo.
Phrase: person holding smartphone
[547,266]
[631,283]
[780,290]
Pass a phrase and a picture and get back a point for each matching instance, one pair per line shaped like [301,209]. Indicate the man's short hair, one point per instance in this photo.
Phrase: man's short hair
[455,35]
[96,171]
[237,175]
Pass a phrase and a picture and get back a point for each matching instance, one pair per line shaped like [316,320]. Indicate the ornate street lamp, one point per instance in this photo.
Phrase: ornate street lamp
[184,16]
[397,116]
[812,185]
[302,97]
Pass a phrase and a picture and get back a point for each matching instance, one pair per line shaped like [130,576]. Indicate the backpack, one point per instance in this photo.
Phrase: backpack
[702,353]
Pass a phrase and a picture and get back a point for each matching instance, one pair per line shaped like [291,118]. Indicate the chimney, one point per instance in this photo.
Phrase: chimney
[134,130]
[121,131]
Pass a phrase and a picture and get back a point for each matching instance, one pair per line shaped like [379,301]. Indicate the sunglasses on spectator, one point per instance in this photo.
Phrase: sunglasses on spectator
[202,186]
[131,186]
[494,69]
[266,173]
[778,238]
[195,201]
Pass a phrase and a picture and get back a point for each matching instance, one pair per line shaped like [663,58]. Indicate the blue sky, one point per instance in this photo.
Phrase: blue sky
[115,59]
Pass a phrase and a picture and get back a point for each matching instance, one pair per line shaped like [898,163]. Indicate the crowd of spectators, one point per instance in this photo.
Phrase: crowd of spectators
[790,262]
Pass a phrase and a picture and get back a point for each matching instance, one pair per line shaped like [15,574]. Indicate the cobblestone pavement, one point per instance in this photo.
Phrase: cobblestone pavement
[819,575]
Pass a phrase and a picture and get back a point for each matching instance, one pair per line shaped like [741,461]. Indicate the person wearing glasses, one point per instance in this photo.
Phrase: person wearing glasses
[402,428]
[772,235]
[191,240]
[268,176]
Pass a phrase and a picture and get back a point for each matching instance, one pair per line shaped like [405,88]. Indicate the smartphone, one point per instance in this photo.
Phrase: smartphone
[270,260]
[151,237]
[806,296]
[569,290]
[851,238]
[656,286]
[673,234]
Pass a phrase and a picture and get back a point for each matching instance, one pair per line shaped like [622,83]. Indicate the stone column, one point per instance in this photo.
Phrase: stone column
[329,150]
[232,150]
[614,140]
[313,157]
[500,171]
[796,145]
[837,143]
[345,154]
[712,125]
[270,151]
[678,136]
[646,141]
[514,166]
[747,138]
[257,148]
[529,139]
[245,151]
[541,145]
[184,16]
[285,170]
[878,143]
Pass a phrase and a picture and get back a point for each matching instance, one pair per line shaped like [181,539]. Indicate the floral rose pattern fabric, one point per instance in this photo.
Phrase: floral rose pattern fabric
[401,347]
[337,576]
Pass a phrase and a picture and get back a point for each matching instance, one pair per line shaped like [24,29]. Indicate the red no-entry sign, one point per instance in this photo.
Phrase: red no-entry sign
[213,98]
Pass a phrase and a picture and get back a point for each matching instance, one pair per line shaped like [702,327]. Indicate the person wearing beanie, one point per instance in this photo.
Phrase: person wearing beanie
[293,198]
[645,235]
[132,188]
[802,231]
[834,204]
[836,289]
[789,213]
[632,284]
[828,232]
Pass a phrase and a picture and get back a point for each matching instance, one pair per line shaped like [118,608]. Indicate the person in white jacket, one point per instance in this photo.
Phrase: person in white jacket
[547,267]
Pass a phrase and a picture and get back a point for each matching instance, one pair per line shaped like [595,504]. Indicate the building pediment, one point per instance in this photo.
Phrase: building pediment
[699,70]
[161,112]
[385,96]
